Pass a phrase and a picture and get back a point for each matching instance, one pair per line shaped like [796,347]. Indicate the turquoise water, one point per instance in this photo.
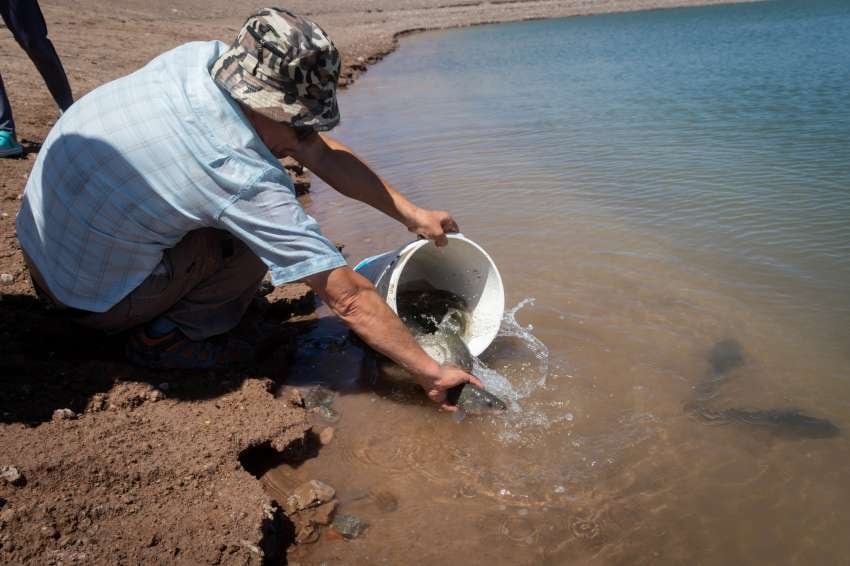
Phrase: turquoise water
[658,182]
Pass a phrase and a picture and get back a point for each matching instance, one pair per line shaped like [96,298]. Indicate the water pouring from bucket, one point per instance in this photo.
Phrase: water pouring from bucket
[451,298]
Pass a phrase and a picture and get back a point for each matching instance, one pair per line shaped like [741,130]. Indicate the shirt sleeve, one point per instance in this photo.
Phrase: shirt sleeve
[268,218]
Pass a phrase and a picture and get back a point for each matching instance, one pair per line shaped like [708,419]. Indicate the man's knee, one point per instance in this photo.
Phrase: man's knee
[244,259]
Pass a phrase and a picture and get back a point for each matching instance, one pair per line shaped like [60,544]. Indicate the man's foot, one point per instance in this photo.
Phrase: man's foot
[174,350]
[9,146]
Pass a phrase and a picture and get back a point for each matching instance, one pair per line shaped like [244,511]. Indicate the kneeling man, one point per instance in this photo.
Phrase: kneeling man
[158,203]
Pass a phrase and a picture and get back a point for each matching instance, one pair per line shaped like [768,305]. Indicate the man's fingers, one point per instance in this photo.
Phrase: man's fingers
[475,381]
[450,225]
[441,240]
[437,395]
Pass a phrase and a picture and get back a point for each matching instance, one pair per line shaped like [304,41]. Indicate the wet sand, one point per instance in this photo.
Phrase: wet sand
[147,466]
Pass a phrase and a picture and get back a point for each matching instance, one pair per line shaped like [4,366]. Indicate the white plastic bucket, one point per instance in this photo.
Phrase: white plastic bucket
[461,267]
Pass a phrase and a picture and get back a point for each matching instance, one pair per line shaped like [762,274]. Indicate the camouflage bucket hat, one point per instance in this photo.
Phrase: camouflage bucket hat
[284,67]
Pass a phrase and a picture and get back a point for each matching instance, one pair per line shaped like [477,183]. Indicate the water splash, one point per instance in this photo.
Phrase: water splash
[532,377]
[511,328]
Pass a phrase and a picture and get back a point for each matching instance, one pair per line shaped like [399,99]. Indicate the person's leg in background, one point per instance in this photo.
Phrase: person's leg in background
[26,22]
[9,146]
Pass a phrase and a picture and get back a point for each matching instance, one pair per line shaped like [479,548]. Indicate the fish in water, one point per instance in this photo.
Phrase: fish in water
[474,400]
[785,422]
[727,355]
[724,356]
[426,310]
[437,319]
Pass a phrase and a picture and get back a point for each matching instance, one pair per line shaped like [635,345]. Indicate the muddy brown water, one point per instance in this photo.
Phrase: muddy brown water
[666,195]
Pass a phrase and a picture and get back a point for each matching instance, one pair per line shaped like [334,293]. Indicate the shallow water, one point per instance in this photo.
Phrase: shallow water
[657,182]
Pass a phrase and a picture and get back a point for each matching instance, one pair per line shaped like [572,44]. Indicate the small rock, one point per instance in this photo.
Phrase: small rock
[64,415]
[307,534]
[156,395]
[318,397]
[349,526]
[49,531]
[163,386]
[327,413]
[12,475]
[6,278]
[326,435]
[310,494]
[321,515]
[253,548]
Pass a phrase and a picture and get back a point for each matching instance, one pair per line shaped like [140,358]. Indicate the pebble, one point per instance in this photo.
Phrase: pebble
[64,415]
[323,514]
[307,534]
[310,494]
[163,386]
[12,475]
[349,526]
[252,547]
[326,436]
[327,413]
[318,397]
[6,278]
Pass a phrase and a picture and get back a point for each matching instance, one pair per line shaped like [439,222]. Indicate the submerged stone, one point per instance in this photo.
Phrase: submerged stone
[318,396]
[349,526]
[327,413]
[326,436]
[310,494]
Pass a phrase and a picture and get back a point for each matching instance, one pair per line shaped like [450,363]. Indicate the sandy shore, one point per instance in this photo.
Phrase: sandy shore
[120,465]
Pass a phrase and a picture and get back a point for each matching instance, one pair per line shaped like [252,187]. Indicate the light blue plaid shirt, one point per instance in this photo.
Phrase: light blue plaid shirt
[137,163]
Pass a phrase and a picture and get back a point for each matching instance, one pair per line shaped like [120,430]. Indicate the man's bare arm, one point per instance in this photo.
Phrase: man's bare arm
[342,169]
[354,300]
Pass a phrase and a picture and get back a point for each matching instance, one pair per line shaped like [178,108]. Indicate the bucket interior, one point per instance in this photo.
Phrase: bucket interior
[464,269]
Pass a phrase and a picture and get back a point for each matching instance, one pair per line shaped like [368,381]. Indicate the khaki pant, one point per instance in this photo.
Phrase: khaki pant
[204,285]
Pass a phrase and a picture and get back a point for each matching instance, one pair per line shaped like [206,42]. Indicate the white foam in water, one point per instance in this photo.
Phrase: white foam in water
[497,383]
[510,327]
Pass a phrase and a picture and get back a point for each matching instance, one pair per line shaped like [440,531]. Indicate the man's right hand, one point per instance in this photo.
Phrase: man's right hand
[448,376]
[356,302]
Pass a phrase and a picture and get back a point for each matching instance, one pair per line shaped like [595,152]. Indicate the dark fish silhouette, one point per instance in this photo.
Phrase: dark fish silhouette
[785,422]
[727,355]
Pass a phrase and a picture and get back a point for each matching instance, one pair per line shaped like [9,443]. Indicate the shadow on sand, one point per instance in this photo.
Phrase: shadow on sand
[47,362]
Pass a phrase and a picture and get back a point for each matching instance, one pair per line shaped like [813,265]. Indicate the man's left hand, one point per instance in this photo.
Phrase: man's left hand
[433,224]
